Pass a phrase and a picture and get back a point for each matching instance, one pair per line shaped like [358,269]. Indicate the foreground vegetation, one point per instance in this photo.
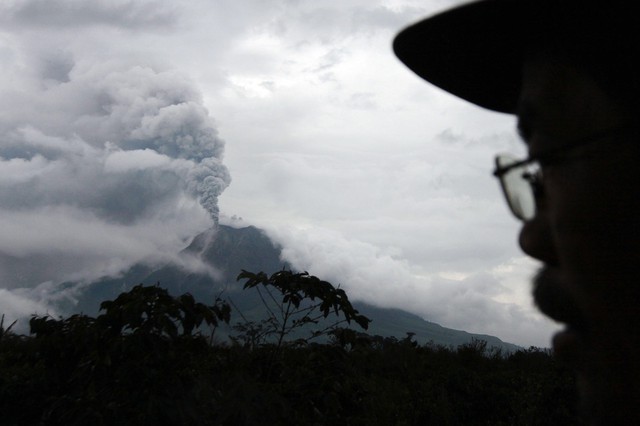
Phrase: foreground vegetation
[144,360]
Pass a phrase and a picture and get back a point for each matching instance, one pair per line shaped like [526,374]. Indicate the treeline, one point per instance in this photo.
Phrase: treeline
[145,360]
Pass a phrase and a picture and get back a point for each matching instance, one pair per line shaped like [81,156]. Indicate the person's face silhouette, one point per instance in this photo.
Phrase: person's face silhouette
[586,232]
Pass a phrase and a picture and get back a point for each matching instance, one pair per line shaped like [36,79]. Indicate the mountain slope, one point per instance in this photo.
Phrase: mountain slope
[230,250]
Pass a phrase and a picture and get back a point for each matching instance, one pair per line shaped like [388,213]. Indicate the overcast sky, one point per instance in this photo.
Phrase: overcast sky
[127,126]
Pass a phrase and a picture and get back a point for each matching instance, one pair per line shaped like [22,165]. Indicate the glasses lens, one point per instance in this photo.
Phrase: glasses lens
[517,188]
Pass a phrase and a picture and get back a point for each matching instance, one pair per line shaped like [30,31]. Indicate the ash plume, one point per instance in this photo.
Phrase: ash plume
[101,166]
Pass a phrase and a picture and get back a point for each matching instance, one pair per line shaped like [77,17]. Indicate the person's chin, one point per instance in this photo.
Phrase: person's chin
[553,297]
[595,354]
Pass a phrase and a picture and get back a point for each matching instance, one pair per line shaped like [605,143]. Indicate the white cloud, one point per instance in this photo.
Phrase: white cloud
[14,305]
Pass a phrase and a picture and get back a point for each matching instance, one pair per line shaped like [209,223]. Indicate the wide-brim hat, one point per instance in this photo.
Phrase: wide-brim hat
[476,51]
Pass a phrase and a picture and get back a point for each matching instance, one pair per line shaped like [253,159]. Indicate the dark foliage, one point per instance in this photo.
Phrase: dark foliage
[144,361]
[302,301]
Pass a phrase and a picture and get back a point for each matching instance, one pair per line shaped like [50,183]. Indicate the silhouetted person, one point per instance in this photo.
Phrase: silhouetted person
[568,70]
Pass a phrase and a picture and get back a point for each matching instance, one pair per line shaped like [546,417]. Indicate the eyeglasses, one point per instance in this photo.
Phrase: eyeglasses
[521,180]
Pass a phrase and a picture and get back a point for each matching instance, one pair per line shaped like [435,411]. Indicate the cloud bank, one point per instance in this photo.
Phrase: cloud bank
[490,301]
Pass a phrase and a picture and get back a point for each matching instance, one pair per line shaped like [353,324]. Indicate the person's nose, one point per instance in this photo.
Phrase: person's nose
[536,239]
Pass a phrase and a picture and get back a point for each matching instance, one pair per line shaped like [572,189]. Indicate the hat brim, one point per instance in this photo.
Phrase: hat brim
[474,51]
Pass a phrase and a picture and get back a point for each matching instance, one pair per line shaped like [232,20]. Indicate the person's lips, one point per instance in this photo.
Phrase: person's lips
[555,300]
